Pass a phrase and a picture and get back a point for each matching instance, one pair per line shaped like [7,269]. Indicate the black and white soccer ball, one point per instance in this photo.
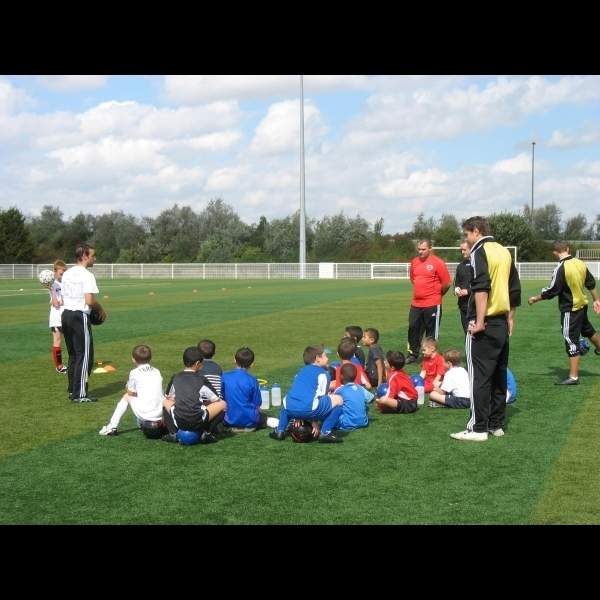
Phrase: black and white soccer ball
[46,277]
[96,318]
[301,431]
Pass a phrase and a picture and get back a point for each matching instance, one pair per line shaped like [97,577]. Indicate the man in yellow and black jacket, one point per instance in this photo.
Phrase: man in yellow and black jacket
[570,280]
[495,294]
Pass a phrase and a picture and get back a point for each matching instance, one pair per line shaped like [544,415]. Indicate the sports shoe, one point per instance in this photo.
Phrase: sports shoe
[433,404]
[169,437]
[411,358]
[61,369]
[108,430]
[470,436]
[329,439]
[85,399]
[277,435]
[567,381]
[207,438]
[496,432]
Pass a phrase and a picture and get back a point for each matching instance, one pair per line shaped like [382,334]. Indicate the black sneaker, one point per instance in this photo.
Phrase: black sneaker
[277,435]
[411,358]
[329,439]
[207,438]
[169,437]
[567,381]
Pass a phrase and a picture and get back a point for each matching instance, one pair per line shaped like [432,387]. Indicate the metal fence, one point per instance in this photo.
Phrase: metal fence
[267,270]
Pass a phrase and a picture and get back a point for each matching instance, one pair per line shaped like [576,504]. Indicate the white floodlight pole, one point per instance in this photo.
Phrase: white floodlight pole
[302,210]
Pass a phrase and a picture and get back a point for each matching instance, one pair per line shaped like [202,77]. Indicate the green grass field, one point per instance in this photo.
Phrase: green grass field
[402,469]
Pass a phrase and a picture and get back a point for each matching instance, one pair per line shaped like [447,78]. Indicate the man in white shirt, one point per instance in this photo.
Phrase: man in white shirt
[78,288]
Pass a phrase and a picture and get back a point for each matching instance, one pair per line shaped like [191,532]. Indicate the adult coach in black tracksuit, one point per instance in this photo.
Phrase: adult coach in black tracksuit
[79,287]
[462,283]
[495,293]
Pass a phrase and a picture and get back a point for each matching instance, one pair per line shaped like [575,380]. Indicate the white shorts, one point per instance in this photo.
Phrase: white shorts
[55,317]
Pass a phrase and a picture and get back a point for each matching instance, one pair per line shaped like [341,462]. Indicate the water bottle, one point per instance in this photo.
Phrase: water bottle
[276,394]
[420,387]
[264,397]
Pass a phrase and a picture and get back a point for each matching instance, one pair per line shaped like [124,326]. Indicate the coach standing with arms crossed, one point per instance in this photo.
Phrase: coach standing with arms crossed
[431,280]
[495,293]
[79,287]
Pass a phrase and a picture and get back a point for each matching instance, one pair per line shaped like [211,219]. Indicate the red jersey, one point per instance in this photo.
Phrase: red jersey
[400,385]
[434,365]
[428,277]
[360,379]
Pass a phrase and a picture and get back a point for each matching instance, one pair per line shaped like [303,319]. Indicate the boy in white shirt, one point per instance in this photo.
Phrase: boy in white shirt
[455,391]
[55,319]
[144,395]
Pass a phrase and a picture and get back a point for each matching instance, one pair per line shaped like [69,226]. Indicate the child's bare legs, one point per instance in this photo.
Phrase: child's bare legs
[385,404]
[438,397]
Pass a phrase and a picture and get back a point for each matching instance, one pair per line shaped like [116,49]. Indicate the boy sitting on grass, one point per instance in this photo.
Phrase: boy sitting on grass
[374,367]
[355,333]
[352,414]
[401,396]
[455,390]
[433,366]
[144,396]
[185,404]
[242,394]
[308,398]
[210,369]
[346,351]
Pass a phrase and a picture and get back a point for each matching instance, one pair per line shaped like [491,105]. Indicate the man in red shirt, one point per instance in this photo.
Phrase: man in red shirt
[431,280]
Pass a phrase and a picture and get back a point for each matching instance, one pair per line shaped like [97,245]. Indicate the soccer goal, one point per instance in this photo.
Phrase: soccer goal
[452,254]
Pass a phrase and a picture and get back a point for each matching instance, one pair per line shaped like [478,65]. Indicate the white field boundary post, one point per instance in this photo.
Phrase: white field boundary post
[203,270]
[269,271]
[112,271]
[32,272]
[372,271]
[142,270]
[235,270]
[13,270]
[172,265]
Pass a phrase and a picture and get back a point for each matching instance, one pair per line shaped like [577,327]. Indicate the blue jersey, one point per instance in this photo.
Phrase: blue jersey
[354,409]
[242,394]
[511,385]
[311,382]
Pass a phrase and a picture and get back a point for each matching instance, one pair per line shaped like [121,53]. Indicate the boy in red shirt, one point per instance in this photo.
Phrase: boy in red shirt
[401,396]
[433,366]
[346,350]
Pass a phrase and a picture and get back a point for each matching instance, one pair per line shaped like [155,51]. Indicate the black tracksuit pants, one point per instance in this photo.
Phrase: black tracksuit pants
[423,320]
[487,360]
[80,345]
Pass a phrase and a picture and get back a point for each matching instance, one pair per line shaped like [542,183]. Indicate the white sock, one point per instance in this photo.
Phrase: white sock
[119,412]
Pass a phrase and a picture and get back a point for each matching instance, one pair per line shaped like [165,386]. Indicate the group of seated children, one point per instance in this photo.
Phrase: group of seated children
[204,399]
[194,399]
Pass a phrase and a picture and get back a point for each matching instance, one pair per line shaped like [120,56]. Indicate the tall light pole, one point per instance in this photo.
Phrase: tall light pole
[302,211]
[532,172]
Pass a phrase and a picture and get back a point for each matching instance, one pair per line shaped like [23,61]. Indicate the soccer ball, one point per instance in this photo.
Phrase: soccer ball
[188,438]
[46,277]
[382,390]
[301,431]
[584,346]
[417,380]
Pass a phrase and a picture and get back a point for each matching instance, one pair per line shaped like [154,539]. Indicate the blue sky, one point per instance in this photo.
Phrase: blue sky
[378,146]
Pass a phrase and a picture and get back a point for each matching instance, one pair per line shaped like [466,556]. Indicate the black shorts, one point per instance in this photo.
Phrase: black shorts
[196,423]
[453,401]
[406,406]
[53,329]
[574,325]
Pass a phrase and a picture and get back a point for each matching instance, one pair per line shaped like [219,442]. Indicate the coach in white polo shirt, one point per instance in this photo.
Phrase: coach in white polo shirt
[79,287]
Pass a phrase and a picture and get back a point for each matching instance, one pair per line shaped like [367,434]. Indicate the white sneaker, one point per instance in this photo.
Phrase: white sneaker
[108,430]
[497,432]
[272,422]
[470,436]
[433,404]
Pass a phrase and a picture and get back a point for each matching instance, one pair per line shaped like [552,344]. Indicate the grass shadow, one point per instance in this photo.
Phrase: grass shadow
[109,389]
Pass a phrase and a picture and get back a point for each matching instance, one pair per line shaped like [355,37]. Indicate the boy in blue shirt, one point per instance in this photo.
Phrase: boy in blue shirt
[242,394]
[308,398]
[353,412]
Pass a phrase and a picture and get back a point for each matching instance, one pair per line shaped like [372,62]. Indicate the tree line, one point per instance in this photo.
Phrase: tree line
[217,234]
